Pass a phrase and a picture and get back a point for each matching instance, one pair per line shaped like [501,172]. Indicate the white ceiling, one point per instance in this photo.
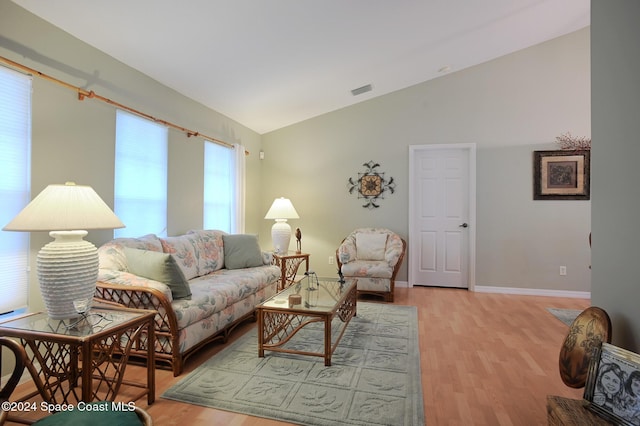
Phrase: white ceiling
[271,63]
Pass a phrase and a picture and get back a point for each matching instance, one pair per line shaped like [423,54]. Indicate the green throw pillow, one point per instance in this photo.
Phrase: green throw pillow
[94,414]
[160,267]
[241,251]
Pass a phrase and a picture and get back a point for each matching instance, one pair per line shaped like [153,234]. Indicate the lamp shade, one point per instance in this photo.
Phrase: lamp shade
[282,209]
[64,208]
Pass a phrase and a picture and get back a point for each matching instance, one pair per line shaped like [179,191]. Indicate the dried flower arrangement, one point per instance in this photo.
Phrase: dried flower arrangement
[568,141]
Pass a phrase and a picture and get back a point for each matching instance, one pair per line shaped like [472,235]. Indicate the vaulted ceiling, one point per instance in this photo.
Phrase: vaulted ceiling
[271,63]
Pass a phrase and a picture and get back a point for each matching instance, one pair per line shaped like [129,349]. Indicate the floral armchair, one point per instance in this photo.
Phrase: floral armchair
[373,256]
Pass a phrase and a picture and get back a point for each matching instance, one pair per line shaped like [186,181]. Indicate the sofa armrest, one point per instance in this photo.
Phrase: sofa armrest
[128,279]
[166,323]
[395,249]
[139,298]
[395,255]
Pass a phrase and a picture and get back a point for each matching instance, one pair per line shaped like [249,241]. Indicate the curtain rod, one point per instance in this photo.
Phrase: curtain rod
[82,94]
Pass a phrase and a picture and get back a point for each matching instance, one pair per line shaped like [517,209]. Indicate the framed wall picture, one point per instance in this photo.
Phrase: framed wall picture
[613,385]
[561,175]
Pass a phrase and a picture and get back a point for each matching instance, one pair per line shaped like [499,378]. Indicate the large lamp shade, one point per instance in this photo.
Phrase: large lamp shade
[67,266]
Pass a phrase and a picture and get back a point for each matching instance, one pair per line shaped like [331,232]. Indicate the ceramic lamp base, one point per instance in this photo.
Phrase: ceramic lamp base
[281,236]
[67,271]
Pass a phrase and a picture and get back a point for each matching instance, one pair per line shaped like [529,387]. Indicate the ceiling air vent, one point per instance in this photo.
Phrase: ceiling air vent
[361,90]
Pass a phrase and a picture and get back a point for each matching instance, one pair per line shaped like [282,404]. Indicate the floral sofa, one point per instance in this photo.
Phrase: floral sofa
[202,284]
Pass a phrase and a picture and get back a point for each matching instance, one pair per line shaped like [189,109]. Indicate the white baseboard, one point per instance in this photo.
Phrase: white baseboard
[521,291]
[533,292]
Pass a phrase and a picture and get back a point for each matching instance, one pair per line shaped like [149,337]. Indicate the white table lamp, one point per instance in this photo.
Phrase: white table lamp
[281,210]
[67,266]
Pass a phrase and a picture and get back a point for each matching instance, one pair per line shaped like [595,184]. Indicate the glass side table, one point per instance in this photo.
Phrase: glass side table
[84,359]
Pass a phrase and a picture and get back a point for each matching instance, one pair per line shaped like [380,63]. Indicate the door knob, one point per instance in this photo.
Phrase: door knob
[464,225]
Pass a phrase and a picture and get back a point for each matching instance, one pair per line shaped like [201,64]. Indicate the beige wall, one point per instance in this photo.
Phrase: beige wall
[509,107]
[616,148]
[75,141]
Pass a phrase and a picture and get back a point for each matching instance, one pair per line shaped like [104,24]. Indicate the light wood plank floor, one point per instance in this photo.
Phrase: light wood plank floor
[486,359]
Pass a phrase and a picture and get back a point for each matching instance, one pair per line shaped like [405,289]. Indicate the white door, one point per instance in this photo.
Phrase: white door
[442,215]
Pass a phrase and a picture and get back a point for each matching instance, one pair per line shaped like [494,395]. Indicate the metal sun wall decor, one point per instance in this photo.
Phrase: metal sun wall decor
[371,185]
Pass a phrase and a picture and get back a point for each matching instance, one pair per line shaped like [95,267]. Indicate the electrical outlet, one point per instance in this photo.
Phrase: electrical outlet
[563,270]
[331,260]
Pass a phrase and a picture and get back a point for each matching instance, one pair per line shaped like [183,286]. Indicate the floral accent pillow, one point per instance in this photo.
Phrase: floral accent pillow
[210,250]
[185,250]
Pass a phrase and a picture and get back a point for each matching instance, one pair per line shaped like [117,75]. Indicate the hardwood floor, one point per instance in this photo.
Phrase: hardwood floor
[486,359]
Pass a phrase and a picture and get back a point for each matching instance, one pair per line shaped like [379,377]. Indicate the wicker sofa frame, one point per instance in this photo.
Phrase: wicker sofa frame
[166,323]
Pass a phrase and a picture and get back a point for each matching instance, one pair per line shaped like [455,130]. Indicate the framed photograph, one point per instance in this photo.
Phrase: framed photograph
[613,385]
[561,175]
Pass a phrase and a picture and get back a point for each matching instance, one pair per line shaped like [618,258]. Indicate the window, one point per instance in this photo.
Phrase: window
[140,176]
[15,145]
[218,187]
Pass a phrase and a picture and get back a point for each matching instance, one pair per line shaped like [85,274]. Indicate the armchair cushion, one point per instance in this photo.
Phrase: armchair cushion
[370,246]
[367,268]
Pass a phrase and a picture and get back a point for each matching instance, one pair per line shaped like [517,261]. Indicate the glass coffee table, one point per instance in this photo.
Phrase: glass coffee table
[313,300]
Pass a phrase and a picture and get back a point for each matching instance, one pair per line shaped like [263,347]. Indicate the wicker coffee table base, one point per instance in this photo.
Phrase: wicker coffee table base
[277,326]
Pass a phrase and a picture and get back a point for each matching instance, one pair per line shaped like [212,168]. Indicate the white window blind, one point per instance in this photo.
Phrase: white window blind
[15,145]
[218,187]
[140,176]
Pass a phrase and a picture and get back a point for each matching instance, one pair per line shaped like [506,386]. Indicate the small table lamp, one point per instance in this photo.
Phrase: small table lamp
[281,210]
[67,266]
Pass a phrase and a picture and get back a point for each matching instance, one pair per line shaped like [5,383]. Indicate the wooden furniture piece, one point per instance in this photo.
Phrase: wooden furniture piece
[372,256]
[279,319]
[586,334]
[84,359]
[20,362]
[289,264]
[571,412]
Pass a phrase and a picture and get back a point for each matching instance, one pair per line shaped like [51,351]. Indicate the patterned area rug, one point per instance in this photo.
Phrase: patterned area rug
[374,378]
[565,315]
